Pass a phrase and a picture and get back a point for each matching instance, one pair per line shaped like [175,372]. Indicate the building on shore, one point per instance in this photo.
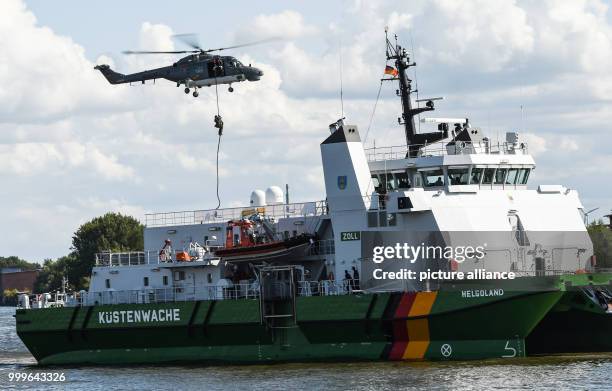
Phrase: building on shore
[14,278]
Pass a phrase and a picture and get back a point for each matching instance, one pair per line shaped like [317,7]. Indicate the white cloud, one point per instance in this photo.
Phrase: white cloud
[286,24]
[40,158]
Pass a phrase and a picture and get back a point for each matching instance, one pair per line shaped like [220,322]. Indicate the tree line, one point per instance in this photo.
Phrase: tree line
[113,231]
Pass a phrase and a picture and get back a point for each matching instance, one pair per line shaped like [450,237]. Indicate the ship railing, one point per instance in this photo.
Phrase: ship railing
[190,292]
[327,288]
[313,208]
[165,295]
[133,258]
[397,152]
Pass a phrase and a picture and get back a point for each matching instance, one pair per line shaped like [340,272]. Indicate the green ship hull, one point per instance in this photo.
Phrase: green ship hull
[578,323]
[469,321]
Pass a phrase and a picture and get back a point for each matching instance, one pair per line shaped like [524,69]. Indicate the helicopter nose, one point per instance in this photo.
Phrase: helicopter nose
[254,74]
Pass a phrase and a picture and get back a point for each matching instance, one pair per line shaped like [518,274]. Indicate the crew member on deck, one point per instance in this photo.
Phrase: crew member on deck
[349,280]
[355,278]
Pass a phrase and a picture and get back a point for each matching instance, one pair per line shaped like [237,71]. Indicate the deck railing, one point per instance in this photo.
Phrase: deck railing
[134,258]
[314,208]
[195,293]
[397,152]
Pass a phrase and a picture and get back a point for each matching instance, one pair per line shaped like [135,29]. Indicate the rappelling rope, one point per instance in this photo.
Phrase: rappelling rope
[219,125]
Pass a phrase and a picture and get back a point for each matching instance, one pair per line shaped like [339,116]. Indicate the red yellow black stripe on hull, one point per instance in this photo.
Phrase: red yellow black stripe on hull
[411,336]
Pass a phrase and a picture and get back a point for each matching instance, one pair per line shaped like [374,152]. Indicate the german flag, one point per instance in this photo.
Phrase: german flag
[389,70]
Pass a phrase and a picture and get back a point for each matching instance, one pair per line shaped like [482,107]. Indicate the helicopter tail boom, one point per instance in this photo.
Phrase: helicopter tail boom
[110,75]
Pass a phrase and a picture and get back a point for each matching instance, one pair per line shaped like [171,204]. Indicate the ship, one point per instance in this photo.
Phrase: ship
[332,279]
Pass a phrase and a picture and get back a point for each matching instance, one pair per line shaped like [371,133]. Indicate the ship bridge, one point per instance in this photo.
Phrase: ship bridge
[479,163]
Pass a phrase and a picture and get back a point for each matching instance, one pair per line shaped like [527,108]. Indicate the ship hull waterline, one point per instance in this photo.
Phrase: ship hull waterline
[439,325]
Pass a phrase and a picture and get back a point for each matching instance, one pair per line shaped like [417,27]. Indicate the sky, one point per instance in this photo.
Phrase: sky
[73,147]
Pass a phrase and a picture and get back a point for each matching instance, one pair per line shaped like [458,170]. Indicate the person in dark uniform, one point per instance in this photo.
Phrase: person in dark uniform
[355,278]
[349,280]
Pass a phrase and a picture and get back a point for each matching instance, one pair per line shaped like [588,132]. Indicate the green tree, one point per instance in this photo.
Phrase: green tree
[50,277]
[601,236]
[111,232]
[9,296]
[14,261]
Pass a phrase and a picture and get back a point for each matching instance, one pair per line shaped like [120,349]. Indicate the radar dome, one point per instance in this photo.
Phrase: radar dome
[274,195]
[258,198]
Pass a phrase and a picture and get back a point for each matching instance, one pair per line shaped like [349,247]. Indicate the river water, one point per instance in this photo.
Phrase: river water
[583,372]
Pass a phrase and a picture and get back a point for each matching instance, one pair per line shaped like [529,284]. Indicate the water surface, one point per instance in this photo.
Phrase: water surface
[583,372]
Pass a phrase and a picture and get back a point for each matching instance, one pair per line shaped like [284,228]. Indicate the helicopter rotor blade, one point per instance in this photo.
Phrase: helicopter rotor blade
[159,52]
[244,44]
[192,41]
[189,39]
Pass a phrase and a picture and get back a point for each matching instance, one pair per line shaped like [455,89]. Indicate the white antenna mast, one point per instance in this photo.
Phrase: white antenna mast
[341,86]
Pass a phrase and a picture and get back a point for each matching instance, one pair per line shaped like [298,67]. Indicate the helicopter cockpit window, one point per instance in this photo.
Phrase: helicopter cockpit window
[458,176]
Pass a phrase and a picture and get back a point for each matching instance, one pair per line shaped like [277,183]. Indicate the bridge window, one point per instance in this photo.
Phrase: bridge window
[418,180]
[402,180]
[388,181]
[382,218]
[458,176]
[523,176]
[487,178]
[476,175]
[512,174]
[376,183]
[433,178]
[500,175]
[372,219]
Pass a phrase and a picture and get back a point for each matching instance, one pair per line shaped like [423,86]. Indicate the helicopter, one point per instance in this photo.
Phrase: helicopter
[199,69]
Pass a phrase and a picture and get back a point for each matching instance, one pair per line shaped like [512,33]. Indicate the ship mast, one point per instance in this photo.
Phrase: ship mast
[414,140]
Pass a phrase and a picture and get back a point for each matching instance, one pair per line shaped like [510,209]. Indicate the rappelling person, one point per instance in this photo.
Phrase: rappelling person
[219,123]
